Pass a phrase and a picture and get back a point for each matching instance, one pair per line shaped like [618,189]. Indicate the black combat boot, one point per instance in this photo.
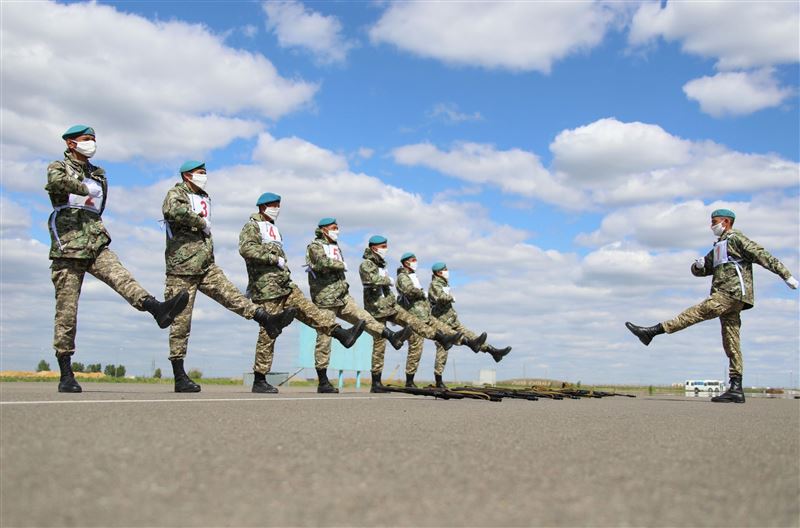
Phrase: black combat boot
[734,394]
[498,353]
[396,338]
[476,343]
[410,381]
[182,382]
[645,333]
[166,312]
[377,386]
[349,337]
[447,341]
[261,385]
[325,385]
[274,324]
[67,381]
[439,383]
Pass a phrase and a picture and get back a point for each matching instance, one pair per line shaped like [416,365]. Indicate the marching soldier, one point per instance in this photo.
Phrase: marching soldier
[442,309]
[190,266]
[413,298]
[383,306]
[330,292]
[79,244]
[270,286]
[730,263]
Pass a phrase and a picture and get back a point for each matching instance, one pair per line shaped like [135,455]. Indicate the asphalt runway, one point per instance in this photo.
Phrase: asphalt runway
[139,455]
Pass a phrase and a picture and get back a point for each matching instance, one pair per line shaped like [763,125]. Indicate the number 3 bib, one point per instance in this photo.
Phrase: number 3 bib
[201,205]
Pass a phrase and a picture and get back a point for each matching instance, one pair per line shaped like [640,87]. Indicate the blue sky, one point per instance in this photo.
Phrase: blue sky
[562,156]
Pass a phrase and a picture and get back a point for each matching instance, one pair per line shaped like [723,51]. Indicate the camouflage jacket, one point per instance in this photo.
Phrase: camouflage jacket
[189,250]
[734,276]
[378,298]
[75,225]
[261,251]
[325,266]
[442,301]
[411,295]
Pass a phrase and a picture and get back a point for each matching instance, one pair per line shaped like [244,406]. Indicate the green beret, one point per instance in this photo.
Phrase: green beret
[77,130]
[407,256]
[377,239]
[326,221]
[439,266]
[724,212]
[268,197]
[189,166]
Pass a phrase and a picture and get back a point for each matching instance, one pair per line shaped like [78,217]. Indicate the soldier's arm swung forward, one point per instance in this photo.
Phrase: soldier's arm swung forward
[60,182]
[251,246]
[319,261]
[438,295]
[406,288]
[177,209]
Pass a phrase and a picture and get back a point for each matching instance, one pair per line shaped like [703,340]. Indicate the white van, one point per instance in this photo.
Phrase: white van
[704,386]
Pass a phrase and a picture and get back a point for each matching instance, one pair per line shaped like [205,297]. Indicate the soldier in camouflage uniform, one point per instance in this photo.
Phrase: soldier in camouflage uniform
[730,262]
[382,305]
[442,309]
[270,286]
[190,266]
[330,292]
[79,245]
[413,298]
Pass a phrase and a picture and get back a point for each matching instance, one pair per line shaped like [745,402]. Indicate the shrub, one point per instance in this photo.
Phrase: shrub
[120,371]
[195,374]
[77,367]
[157,373]
[43,366]
[110,371]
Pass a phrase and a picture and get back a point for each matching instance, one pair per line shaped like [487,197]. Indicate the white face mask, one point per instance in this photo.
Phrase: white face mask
[412,265]
[333,235]
[718,229]
[382,252]
[272,212]
[445,274]
[87,148]
[200,179]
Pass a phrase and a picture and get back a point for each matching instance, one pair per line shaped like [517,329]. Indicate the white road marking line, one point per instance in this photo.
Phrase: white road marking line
[196,400]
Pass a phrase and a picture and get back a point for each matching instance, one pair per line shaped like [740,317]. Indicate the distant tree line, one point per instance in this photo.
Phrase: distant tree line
[113,371]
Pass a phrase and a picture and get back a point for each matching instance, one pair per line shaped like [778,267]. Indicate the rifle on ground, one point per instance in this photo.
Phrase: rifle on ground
[444,394]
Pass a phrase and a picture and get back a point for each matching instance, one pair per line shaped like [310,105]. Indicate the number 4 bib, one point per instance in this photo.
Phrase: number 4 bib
[269,233]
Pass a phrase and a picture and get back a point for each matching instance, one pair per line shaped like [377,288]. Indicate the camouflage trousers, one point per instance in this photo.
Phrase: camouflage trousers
[214,284]
[405,319]
[441,353]
[67,276]
[727,309]
[416,343]
[351,313]
[307,312]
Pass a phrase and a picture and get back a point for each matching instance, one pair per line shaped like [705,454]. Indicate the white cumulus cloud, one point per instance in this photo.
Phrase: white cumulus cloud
[514,170]
[739,35]
[737,93]
[183,92]
[609,149]
[747,39]
[516,36]
[296,26]
[296,154]
[624,163]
